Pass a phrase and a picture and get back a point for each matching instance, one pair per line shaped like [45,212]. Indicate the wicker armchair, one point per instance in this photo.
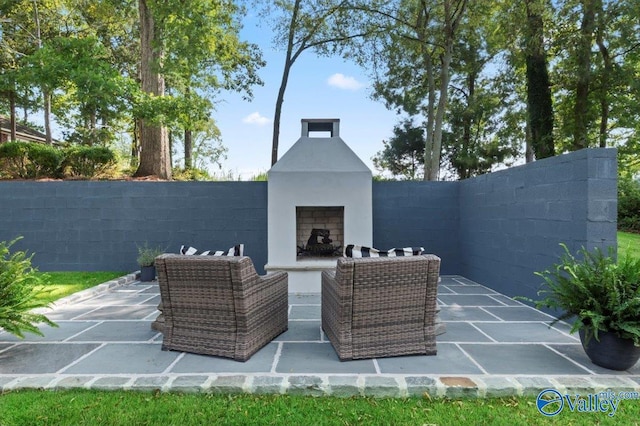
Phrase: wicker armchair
[380,307]
[220,305]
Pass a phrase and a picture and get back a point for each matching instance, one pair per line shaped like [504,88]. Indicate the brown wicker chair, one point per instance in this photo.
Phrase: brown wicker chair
[380,307]
[220,305]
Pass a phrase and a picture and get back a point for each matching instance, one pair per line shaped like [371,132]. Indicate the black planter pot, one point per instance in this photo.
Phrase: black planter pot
[611,351]
[147,273]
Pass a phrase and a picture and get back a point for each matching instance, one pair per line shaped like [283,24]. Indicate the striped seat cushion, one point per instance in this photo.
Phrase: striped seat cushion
[236,250]
[361,251]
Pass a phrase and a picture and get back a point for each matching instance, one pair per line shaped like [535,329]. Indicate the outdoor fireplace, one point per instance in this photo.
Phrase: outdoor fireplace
[319,200]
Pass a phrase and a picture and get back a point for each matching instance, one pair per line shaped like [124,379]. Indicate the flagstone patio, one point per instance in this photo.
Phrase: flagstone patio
[493,346]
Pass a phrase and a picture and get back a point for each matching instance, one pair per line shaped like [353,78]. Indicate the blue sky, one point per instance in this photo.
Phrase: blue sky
[318,87]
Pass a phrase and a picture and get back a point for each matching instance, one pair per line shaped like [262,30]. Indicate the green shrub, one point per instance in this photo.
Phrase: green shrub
[190,174]
[45,160]
[19,283]
[88,161]
[602,293]
[30,160]
[628,205]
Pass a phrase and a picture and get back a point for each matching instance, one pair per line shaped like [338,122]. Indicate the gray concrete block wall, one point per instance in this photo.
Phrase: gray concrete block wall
[496,229]
[408,214]
[98,225]
[513,221]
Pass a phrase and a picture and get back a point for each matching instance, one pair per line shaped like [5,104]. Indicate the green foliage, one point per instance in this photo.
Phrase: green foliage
[19,283]
[147,255]
[88,161]
[29,160]
[403,153]
[603,295]
[260,177]
[190,174]
[628,204]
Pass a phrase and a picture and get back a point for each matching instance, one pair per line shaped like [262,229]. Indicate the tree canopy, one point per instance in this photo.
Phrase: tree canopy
[483,84]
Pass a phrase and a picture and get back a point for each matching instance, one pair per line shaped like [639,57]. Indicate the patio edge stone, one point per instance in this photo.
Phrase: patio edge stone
[460,387]
[188,384]
[306,385]
[421,386]
[263,385]
[497,387]
[344,386]
[229,384]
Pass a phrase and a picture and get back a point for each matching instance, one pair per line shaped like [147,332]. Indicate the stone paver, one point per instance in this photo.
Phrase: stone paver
[494,346]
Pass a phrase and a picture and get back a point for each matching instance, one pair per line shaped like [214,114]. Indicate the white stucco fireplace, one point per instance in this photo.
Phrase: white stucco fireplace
[319,200]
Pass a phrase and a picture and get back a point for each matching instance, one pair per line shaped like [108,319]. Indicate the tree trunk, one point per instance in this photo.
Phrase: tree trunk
[442,105]
[452,15]
[608,70]
[431,114]
[289,60]
[528,150]
[422,25]
[276,117]
[581,108]
[539,103]
[12,110]
[464,170]
[47,116]
[188,149]
[135,144]
[154,141]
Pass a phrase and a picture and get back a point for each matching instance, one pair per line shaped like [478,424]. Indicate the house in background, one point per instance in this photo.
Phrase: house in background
[23,133]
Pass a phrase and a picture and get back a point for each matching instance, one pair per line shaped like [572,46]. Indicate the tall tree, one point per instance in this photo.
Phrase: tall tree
[584,74]
[154,139]
[411,62]
[194,45]
[539,100]
[302,25]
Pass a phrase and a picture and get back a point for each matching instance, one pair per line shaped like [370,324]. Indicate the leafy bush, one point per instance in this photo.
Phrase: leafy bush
[628,205]
[147,255]
[193,174]
[88,161]
[30,160]
[603,294]
[19,283]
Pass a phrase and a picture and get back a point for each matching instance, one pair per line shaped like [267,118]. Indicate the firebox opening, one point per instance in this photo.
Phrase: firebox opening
[319,232]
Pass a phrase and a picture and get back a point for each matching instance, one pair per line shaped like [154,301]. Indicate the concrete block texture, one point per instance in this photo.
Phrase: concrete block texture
[497,229]
[568,199]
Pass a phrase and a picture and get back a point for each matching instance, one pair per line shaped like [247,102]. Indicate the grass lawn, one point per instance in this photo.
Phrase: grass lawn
[61,284]
[83,407]
[628,242]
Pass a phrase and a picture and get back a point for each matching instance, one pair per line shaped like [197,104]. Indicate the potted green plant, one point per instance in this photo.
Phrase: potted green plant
[146,259]
[604,297]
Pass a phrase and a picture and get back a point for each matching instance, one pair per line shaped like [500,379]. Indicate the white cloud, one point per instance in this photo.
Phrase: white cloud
[256,118]
[345,82]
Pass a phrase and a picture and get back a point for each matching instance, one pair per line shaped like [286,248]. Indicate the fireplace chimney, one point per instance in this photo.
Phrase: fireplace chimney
[319,183]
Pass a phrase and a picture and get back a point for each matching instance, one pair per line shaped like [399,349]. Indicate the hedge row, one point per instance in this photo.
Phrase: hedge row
[30,160]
